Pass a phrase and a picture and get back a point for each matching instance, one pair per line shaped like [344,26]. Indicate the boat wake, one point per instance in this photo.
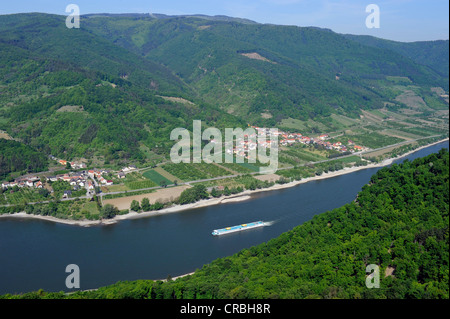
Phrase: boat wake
[270,223]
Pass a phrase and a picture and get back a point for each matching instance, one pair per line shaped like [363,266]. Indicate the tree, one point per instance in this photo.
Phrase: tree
[135,206]
[214,192]
[145,204]
[109,211]
[157,206]
[43,192]
[193,194]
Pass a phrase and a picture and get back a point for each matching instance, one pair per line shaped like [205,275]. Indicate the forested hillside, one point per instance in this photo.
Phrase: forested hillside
[75,95]
[431,53]
[112,91]
[250,69]
[399,221]
[15,156]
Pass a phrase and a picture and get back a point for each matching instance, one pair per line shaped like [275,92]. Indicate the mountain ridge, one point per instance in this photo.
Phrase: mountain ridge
[302,74]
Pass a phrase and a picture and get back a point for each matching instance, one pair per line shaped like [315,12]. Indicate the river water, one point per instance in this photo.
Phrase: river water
[34,253]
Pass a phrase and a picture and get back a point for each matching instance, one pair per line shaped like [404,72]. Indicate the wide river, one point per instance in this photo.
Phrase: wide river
[34,253]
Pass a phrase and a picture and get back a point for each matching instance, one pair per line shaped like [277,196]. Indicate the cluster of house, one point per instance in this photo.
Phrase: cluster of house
[23,182]
[291,138]
[338,146]
[99,175]
[129,168]
[77,180]
[122,173]
[251,142]
[74,165]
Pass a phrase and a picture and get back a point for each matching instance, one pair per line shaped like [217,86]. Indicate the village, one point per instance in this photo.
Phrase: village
[287,139]
[90,180]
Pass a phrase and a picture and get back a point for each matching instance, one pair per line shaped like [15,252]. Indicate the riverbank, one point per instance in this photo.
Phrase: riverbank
[246,195]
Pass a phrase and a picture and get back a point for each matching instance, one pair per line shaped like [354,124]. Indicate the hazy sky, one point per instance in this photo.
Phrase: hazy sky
[401,20]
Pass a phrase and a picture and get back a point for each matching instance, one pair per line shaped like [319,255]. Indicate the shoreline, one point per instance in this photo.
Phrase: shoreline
[245,195]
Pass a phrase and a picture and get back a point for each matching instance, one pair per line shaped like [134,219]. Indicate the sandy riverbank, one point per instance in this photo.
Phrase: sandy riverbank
[84,223]
[215,201]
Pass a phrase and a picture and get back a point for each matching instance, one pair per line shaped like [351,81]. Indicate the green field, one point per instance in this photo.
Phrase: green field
[141,184]
[137,181]
[185,172]
[156,177]
[195,171]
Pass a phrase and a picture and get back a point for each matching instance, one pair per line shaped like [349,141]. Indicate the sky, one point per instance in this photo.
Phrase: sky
[400,20]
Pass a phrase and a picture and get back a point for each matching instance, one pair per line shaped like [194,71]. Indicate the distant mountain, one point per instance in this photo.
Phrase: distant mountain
[46,35]
[254,69]
[434,54]
[164,16]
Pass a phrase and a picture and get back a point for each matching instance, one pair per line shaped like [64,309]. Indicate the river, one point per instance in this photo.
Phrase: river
[34,253]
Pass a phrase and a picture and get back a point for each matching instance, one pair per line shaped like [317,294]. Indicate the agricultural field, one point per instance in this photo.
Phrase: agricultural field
[374,140]
[382,153]
[137,181]
[195,171]
[156,177]
[128,194]
[400,134]
[343,120]
[300,154]
[211,170]
[244,181]
[243,168]
[24,195]
[184,171]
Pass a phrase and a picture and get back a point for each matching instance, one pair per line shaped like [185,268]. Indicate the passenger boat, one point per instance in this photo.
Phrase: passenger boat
[233,229]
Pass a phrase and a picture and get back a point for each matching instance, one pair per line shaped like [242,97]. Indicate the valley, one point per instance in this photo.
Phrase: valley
[338,142]
[57,105]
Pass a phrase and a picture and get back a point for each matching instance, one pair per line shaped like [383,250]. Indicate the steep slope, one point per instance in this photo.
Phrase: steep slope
[78,95]
[254,69]
[434,54]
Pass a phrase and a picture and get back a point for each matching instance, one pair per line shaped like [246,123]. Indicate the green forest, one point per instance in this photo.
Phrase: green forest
[17,157]
[399,222]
